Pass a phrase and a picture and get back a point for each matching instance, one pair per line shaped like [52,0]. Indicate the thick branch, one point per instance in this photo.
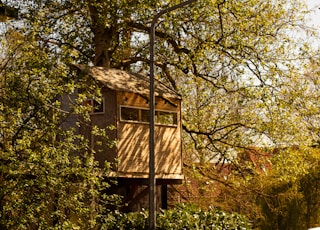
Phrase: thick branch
[168,38]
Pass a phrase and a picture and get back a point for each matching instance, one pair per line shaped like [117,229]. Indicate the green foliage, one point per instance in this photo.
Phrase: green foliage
[191,217]
[125,221]
[236,64]
[181,217]
[285,196]
[309,187]
[49,178]
[295,193]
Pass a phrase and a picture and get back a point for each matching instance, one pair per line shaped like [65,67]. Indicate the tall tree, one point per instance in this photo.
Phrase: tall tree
[236,63]
[244,49]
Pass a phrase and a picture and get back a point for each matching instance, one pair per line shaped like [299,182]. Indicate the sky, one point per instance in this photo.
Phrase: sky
[315,15]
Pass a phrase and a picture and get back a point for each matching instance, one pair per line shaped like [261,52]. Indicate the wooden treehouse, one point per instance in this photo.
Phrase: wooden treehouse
[125,105]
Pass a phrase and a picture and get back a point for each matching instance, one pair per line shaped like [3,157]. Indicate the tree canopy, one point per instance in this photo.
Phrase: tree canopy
[243,57]
[239,65]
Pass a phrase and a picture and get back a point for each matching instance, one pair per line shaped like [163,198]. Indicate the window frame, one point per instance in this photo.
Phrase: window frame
[92,105]
[157,111]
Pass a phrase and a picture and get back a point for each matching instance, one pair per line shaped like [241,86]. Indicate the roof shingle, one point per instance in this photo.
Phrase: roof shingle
[121,80]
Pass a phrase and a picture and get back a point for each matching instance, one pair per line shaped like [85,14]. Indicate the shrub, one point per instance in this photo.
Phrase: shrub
[182,217]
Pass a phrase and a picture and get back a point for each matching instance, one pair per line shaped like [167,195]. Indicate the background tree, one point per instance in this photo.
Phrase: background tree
[284,196]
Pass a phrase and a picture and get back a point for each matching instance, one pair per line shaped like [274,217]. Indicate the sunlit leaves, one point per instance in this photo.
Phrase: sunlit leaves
[238,64]
[47,171]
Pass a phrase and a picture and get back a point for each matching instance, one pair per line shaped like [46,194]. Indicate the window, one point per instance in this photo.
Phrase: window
[95,107]
[145,115]
[142,115]
[134,114]
[129,114]
[166,118]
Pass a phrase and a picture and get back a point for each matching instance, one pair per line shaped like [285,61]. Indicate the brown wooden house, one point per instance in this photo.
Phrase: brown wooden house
[125,105]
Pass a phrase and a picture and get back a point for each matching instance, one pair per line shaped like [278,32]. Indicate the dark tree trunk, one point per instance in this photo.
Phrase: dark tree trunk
[102,43]
[103,35]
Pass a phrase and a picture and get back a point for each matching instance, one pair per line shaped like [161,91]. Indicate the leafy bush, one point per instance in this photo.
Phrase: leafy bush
[285,196]
[182,217]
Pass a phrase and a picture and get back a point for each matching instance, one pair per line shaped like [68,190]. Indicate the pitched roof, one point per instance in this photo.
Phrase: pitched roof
[121,80]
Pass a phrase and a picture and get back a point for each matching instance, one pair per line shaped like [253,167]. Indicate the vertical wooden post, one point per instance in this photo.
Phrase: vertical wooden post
[164,196]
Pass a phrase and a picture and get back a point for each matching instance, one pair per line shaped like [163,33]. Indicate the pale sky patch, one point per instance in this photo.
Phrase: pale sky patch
[314,6]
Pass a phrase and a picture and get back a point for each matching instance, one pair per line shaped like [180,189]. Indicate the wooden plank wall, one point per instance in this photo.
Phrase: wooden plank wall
[133,140]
